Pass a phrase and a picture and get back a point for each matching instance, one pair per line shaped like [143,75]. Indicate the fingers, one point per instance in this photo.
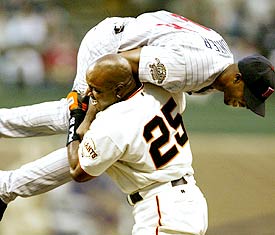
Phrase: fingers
[83,128]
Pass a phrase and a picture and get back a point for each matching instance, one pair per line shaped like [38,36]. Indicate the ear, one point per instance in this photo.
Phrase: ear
[119,90]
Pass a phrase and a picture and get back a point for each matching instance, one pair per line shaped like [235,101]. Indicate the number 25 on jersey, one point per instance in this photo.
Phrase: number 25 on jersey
[159,158]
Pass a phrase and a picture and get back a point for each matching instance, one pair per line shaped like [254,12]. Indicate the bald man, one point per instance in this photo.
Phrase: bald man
[138,138]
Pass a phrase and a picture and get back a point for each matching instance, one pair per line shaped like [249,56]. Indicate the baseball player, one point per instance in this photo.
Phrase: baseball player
[138,137]
[163,48]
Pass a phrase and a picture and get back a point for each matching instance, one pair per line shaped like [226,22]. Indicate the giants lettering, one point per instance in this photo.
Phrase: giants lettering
[90,150]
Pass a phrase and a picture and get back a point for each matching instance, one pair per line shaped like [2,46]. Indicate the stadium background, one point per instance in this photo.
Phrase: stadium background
[233,149]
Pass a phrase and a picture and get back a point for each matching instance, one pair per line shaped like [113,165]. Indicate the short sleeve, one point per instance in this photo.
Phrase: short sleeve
[97,153]
[162,67]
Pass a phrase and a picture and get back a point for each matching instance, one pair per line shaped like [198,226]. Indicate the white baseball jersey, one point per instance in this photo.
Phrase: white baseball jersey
[142,144]
[139,141]
[178,54]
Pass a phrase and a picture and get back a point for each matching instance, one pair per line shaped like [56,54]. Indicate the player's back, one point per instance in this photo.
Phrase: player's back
[151,26]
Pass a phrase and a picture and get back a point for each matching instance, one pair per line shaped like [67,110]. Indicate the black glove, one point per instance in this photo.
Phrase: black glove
[78,106]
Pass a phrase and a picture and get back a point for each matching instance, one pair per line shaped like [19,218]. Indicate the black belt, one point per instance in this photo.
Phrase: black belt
[136,197]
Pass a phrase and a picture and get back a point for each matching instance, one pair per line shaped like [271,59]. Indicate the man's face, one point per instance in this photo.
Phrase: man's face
[103,94]
[234,92]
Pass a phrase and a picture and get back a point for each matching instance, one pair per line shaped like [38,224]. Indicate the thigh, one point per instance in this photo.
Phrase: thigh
[146,217]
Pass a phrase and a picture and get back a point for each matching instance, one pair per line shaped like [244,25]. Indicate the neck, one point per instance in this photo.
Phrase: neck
[134,87]
[219,82]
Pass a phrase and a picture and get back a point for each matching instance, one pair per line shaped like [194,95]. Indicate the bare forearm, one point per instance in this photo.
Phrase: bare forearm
[89,117]
[78,112]
[72,151]
[133,57]
[77,173]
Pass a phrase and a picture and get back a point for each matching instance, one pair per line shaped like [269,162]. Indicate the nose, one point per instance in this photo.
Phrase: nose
[91,93]
[88,92]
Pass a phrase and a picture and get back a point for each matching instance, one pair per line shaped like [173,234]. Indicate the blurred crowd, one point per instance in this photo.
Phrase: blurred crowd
[248,27]
[38,46]
[39,39]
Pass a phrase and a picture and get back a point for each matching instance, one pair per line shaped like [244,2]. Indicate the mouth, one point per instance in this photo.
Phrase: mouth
[235,103]
[94,101]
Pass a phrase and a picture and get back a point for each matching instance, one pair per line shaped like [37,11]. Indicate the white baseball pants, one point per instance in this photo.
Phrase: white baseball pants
[172,210]
[36,177]
[47,172]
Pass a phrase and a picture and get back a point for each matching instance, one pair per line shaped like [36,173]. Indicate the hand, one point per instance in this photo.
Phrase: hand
[78,106]
[84,126]
[76,101]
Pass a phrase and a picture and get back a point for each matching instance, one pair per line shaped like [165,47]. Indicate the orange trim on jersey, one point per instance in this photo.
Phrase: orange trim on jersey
[159,221]
[138,90]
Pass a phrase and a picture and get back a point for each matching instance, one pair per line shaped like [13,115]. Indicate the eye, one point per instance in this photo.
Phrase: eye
[237,78]
[93,89]
[96,91]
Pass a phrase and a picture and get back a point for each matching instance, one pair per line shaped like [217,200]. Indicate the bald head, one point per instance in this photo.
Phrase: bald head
[110,70]
[110,79]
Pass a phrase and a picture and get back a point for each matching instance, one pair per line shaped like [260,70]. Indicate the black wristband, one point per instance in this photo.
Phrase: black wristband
[76,118]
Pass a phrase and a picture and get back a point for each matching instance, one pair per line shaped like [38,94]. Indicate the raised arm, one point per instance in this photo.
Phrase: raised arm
[133,57]
[78,109]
